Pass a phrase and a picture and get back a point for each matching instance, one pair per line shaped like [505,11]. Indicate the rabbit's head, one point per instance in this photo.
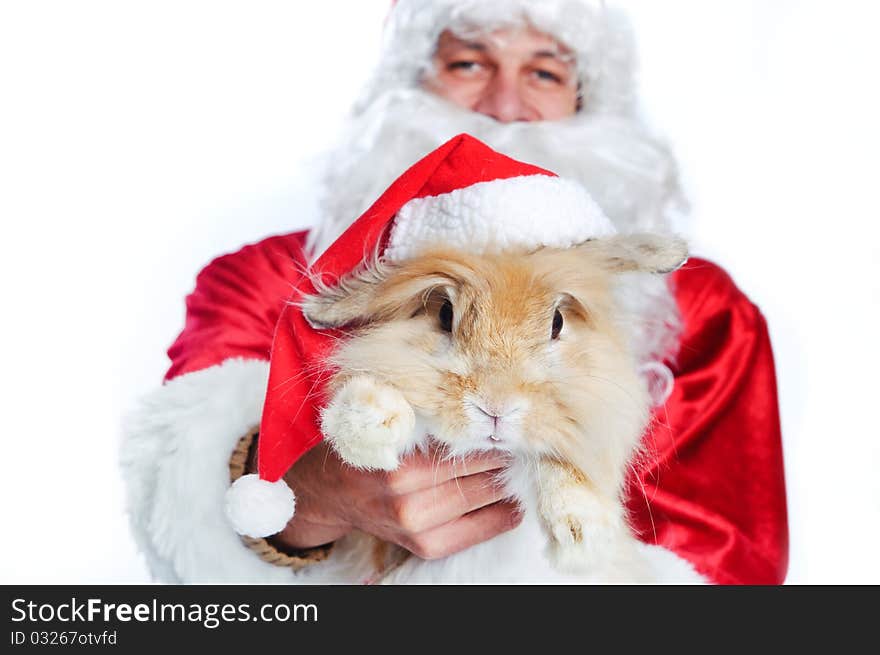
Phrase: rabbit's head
[519,352]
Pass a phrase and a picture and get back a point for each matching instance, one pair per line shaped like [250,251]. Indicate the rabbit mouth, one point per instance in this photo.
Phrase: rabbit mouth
[500,438]
[477,430]
[474,440]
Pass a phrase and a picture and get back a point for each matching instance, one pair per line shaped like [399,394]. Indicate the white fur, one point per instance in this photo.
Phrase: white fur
[604,533]
[529,211]
[175,463]
[370,425]
[259,508]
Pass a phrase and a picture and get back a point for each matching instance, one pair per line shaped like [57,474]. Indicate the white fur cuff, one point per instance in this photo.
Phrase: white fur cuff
[175,461]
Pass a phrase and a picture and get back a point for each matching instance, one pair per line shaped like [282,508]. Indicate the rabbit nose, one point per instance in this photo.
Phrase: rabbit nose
[488,412]
[496,411]
[493,436]
[497,414]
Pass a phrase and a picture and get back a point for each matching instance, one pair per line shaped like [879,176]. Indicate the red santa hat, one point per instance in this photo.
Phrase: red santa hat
[464,195]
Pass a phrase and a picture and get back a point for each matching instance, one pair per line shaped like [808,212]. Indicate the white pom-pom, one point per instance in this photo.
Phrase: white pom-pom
[257,508]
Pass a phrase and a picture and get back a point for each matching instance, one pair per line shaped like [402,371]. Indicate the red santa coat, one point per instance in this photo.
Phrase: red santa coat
[712,488]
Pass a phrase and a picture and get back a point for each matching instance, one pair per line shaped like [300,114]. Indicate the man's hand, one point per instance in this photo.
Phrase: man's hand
[430,506]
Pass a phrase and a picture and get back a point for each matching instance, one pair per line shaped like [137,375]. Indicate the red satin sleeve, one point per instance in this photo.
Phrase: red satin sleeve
[711,487]
[236,303]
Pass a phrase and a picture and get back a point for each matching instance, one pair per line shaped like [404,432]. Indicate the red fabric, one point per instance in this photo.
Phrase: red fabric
[236,304]
[289,427]
[711,488]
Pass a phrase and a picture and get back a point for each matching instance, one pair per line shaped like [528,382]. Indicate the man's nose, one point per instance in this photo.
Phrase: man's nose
[502,100]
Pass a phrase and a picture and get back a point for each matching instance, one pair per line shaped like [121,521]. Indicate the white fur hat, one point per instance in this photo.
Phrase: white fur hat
[600,36]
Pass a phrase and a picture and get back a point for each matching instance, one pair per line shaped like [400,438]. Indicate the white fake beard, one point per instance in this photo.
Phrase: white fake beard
[630,173]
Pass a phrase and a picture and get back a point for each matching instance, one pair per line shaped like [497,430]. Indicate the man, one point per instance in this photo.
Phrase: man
[550,83]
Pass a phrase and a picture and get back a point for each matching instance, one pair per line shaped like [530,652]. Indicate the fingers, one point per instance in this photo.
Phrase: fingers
[426,509]
[426,494]
[424,470]
[464,532]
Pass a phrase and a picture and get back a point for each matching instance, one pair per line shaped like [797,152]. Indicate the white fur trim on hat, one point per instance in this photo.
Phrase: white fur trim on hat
[258,508]
[523,213]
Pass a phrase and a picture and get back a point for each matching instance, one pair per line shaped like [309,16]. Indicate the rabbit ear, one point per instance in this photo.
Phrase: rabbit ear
[345,303]
[375,293]
[648,253]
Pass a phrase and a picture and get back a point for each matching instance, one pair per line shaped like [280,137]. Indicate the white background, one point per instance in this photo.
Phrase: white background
[140,139]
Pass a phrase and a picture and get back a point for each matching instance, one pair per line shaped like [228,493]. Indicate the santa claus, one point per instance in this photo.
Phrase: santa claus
[550,83]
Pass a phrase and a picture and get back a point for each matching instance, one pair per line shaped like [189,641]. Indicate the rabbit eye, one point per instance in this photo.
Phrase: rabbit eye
[446,316]
[557,325]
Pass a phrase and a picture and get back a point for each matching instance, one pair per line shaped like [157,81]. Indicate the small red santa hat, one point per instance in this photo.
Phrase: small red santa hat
[464,195]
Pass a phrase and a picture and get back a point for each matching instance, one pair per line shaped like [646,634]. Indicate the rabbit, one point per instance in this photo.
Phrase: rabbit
[522,352]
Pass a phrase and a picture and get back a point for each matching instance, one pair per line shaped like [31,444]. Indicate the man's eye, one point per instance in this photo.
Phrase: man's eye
[466,66]
[547,76]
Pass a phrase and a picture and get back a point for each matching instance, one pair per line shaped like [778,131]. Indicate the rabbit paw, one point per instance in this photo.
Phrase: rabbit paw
[584,539]
[369,424]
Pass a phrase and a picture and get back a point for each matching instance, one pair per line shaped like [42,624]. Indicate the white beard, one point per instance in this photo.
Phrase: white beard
[630,173]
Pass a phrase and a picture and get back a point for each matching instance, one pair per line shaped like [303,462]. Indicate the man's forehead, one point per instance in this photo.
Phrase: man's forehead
[528,41]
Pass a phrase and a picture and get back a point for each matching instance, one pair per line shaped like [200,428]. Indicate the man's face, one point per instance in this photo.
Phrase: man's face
[510,75]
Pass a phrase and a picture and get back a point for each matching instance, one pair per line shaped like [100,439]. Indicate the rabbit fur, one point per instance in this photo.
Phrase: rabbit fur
[527,353]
